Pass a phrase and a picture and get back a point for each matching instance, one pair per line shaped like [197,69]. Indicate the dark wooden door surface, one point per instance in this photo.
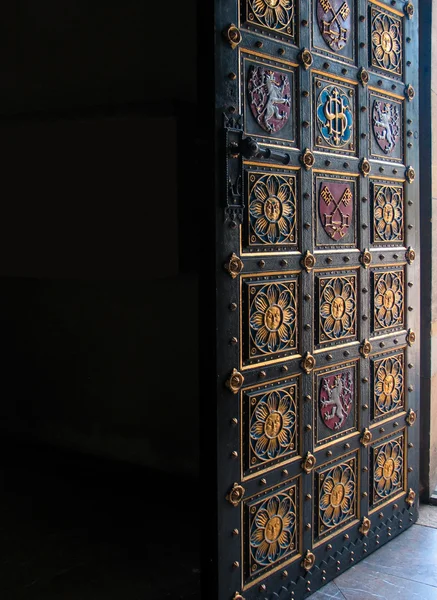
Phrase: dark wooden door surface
[317,288]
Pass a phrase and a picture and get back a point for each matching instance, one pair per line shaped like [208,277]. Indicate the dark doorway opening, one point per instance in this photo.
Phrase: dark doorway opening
[99,420]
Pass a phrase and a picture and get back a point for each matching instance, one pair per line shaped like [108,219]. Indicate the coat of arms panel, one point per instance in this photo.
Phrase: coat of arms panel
[334,118]
[269,100]
[333,29]
[336,226]
[336,392]
[386,124]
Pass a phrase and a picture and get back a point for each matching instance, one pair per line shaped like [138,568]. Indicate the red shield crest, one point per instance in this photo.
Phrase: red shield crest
[336,398]
[386,125]
[270,98]
[334,18]
[336,208]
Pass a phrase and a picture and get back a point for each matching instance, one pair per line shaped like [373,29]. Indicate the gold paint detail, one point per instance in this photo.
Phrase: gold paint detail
[365,167]
[308,561]
[409,10]
[363,76]
[306,58]
[307,159]
[365,348]
[411,417]
[309,463]
[410,174]
[235,381]
[233,35]
[308,363]
[410,92]
[410,255]
[411,497]
[308,261]
[236,494]
[234,266]
[411,337]
[365,259]
[366,438]
[365,526]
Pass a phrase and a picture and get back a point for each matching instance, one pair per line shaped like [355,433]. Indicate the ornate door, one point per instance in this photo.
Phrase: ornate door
[317,280]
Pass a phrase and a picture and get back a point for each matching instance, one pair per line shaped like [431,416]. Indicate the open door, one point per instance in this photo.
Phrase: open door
[317,283]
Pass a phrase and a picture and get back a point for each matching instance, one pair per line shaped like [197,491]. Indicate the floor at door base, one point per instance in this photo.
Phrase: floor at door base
[77,528]
[405,569]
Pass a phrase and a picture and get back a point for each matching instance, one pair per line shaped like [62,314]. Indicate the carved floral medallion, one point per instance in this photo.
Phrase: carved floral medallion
[273,426]
[389,384]
[273,529]
[388,469]
[337,495]
[337,308]
[388,213]
[273,313]
[272,210]
[386,42]
[389,299]
[276,15]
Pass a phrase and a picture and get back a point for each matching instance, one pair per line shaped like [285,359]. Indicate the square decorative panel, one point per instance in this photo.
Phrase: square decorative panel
[386,127]
[336,307]
[335,115]
[271,531]
[270,310]
[387,212]
[388,469]
[388,385]
[388,300]
[270,427]
[336,392]
[271,220]
[268,97]
[336,208]
[273,18]
[333,30]
[336,490]
[386,41]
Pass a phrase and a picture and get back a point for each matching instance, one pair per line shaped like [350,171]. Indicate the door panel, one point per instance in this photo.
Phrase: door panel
[317,309]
